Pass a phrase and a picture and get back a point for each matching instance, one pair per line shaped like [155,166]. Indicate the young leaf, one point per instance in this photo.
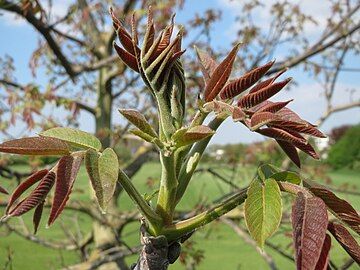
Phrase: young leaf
[127,58]
[253,99]
[287,176]
[339,207]
[267,82]
[207,63]
[260,119]
[192,135]
[31,180]
[108,171]
[36,197]
[241,84]
[307,149]
[3,190]
[280,134]
[346,240]
[298,127]
[309,222]
[35,146]
[323,261]
[268,106]
[138,120]
[290,151]
[220,75]
[263,209]
[67,170]
[103,172]
[37,216]
[74,137]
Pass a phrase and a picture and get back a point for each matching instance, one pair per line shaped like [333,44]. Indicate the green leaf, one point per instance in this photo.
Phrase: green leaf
[185,136]
[263,209]
[265,171]
[287,176]
[103,171]
[74,137]
[138,120]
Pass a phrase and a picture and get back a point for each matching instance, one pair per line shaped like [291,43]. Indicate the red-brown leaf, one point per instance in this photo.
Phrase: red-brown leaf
[241,84]
[267,82]
[261,95]
[238,114]
[261,118]
[346,240]
[207,63]
[150,32]
[165,39]
[220,75]
[288,115]
[280,134]
[298,127]
[36,196]
[31,180]
[307,149]
[273,106]
[127,58]
[339,207]
[3,190]
[309,222]
[37,216]
[67,170]
[323,261]
[43,146]
[290,151]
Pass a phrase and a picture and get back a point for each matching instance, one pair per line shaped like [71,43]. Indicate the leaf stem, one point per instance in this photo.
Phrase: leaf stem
[168,185]
[199,147]
[153,218]
[184,227]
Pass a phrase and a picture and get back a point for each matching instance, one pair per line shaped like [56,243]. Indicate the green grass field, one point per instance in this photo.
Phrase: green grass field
[221,246]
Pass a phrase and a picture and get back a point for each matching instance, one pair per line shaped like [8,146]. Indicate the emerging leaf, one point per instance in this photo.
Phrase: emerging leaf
[309,222]
[36,197]
[287,176]
[267,82]
[31,180]
[74,137]
[260,119]
[35,146]
[261,95]
[127,58]
[103,172]
[138,120]
[67,170]
[280,134]
[207,63]
[339,207]
[263,209]
[220,75]
[3,190]
[290,151]
[268,106]
[241,84]
[194,134]
[346,240]
[323,261]
[37,216]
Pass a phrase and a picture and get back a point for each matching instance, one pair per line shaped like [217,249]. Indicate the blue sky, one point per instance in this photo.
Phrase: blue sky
[21,40]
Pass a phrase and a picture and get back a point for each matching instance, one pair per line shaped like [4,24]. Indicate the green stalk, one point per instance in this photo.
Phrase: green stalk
[153,218]
[199,147]
[176,231]
[165,119]
[168,185]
